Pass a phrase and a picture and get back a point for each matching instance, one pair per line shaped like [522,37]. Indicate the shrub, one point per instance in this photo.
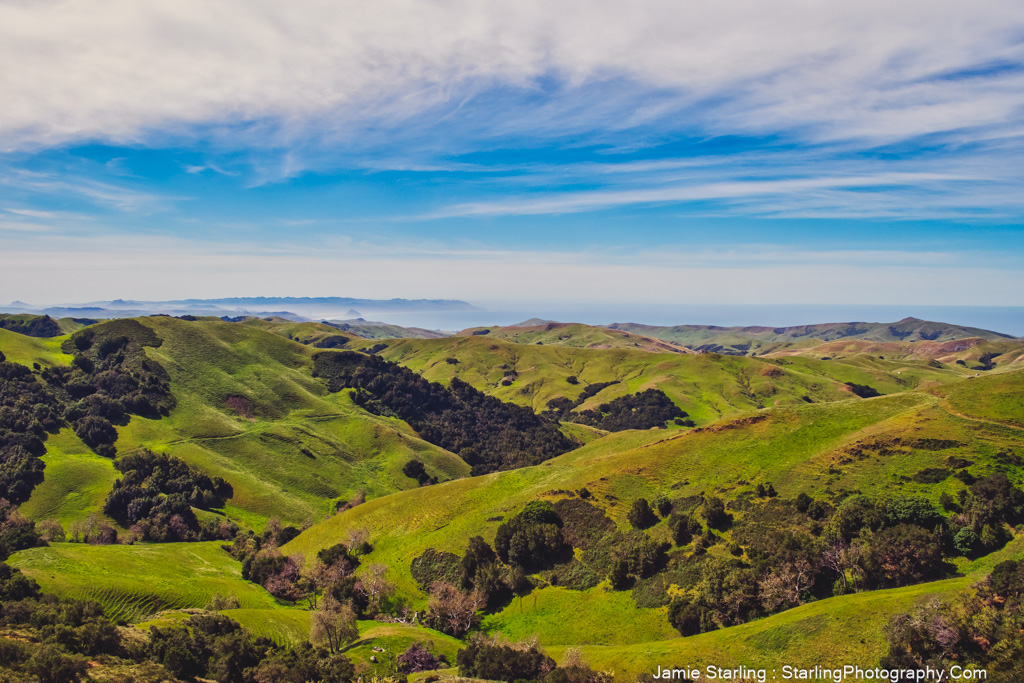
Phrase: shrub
[487,659]
[901,555]
[418,658]
[433,566]
[640,515]
[966,541]
[532,539]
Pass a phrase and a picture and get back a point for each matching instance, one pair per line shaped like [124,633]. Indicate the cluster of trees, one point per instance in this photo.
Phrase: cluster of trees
[783,553]
[559,409]
[31,325]
[773,553]
[16,532]
[977,628]
[28,411]
[647,409]
[487,578]
[156,495]
[109,379]
[486,432]
[863,390]
[338,586]
[492,659]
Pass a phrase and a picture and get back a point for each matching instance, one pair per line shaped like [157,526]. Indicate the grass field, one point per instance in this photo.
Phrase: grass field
[134,581]
[76,481]
[28,350]
[574,335]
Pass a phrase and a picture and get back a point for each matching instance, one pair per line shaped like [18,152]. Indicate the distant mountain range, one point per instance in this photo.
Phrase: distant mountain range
[291,308]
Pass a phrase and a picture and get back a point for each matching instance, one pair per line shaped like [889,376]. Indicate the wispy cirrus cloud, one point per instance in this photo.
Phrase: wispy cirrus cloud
[125,71]
[89,189]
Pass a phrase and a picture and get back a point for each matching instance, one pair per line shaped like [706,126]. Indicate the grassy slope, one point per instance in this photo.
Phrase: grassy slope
[28,350]
[998,398]
[844,630]
[707,386]
[574,335]
[261,454]
[76,481]
[368,329]
[304,333]
[797,449]
[1006,354]
[132,582]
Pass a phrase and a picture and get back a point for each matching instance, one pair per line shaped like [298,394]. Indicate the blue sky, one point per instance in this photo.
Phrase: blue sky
[790,152]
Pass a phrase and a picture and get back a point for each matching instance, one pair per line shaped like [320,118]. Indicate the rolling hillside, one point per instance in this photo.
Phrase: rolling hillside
[707,386]
[573,335]
[248,408]
[874,446]
[760,340]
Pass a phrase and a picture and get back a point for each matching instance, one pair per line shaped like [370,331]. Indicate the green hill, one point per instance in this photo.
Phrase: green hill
[369,329]
[247,409]
[707,386]
[799,449]
[573,335]
[760,340]
[876,446]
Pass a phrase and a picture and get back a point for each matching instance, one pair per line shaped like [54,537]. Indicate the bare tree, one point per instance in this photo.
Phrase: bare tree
[50,530]
[840,557]
[452,610]
[356,539]
[333,625]
[375,586]
[285,583]
[785,585]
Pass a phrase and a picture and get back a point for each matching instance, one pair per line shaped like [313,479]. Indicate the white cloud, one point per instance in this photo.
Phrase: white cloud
[120,70]
[572,202]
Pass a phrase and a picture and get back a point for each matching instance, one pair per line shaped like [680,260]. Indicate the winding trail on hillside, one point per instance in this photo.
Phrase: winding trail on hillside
[946,406]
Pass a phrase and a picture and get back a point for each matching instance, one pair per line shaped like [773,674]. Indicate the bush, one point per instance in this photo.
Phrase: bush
[902,555]
[436,565]
[490,660]
[640,515]
[418,658]
[532,539]
[966,542]
[715,514]
[414,469]
[915,510]
[685,616]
